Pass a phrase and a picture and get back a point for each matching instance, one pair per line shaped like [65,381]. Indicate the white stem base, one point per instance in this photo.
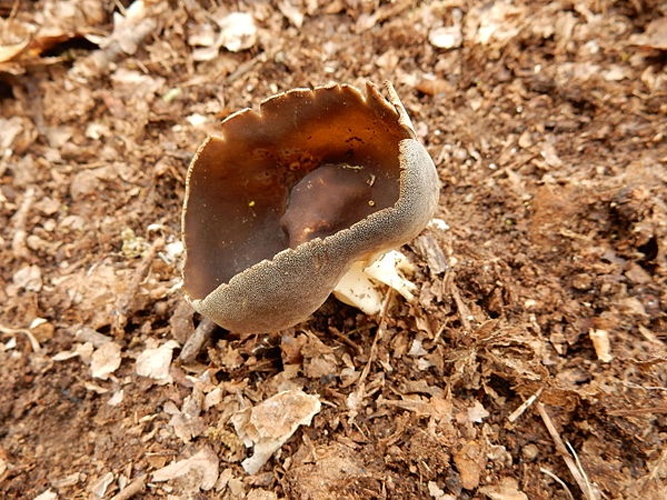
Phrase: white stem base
[360,286]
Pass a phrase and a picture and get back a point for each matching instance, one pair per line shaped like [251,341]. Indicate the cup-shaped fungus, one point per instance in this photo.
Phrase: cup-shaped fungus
[286,199]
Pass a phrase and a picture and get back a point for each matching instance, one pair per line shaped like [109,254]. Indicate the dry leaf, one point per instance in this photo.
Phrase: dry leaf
[601,344]
[28,278]
[470,460]
[116,398]
[271,423]
[237,31]
[87,334]
[105,360]
[654,36]
[446,37]
[186,423]
[54,23]
[477,412]
[129,32]
[203,468]
[495,23]
[47,495]
[99,488]
[11,128]
[126,27]
[507,489]
[94,291]
[155,362]
[291,12]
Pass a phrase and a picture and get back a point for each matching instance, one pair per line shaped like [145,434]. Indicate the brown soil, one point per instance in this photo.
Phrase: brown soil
[548,126]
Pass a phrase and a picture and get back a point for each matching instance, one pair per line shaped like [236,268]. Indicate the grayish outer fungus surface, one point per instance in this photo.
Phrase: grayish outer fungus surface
[250,265]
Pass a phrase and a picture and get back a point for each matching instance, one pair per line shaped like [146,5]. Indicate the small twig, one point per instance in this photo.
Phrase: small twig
[580,468]
[246,66]
[195,343]
[644,387]
[464,312]
[438,334]
[382,326]
[638,411]
[20,219]
[346,340]
[136,486]
[34,343]
[360,392]
[524,406]
[559,481]
[575,467]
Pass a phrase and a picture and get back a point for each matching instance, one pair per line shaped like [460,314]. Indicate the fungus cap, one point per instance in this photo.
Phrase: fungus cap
[281,203]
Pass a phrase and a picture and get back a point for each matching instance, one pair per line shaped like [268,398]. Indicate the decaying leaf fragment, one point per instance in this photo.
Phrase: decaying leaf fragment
[203,467]
[27,43]
[105,360]
[267,426]
[654,36]
[155,362]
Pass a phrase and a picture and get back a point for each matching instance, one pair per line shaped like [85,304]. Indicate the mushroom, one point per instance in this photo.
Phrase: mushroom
[285,200]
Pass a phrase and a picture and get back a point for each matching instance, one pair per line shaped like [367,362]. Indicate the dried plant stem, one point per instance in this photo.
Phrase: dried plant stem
[196,342]
[559,481]
[464,312]
[346,340]
[34,343]
[359,394]
[513,417]
[573,464]
[382,326]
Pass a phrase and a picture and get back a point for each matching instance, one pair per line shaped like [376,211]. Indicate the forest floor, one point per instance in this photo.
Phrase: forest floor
[532,365]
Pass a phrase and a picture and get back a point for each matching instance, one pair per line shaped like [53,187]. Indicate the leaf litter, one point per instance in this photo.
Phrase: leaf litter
[531,362]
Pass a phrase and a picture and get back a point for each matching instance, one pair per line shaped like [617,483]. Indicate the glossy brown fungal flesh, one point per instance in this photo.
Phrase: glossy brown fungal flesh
[332,198]
[281,203]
